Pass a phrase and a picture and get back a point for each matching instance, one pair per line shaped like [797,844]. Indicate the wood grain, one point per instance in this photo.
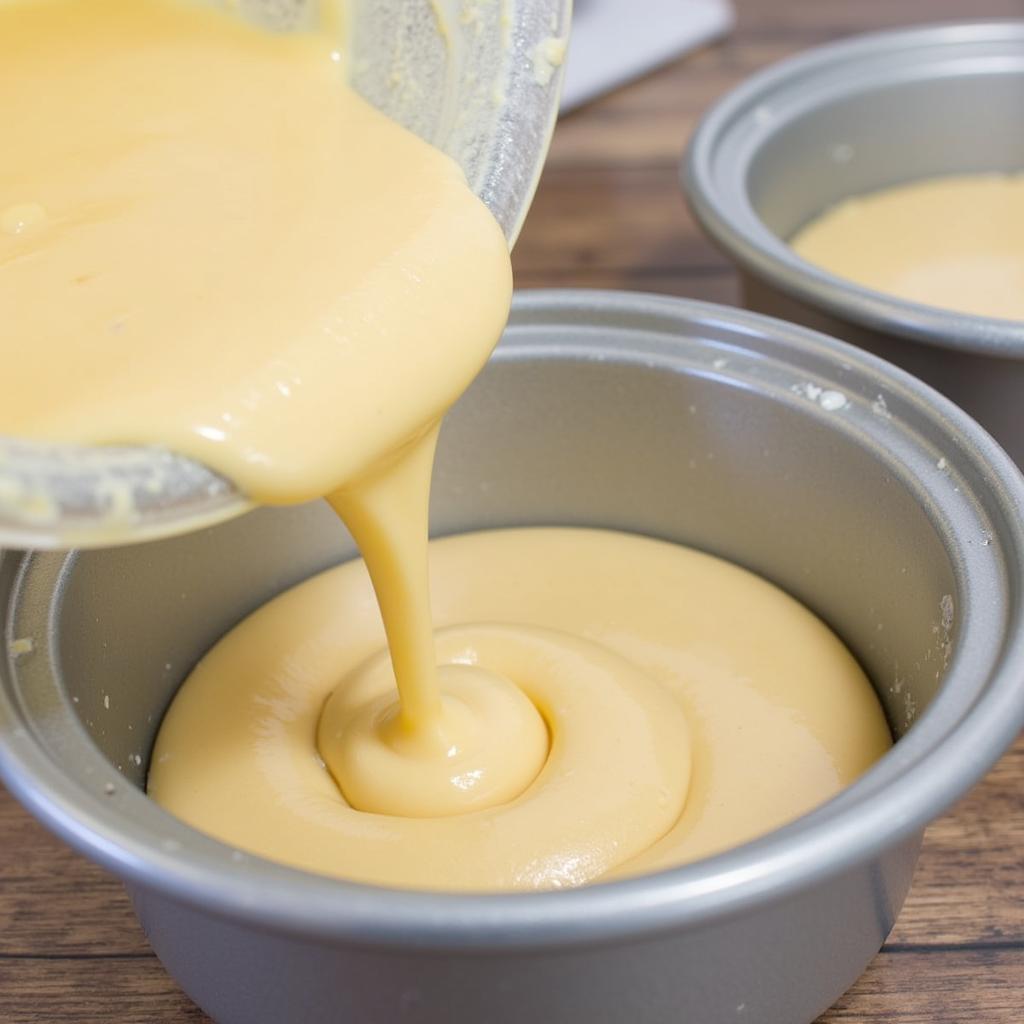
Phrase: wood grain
[608,214]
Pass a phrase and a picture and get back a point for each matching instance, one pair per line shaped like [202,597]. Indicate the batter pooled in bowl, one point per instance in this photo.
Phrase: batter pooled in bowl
[952,242]
[210,244]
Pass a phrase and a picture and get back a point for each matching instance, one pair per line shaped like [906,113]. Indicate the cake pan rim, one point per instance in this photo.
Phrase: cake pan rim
[733,882]
[719,198]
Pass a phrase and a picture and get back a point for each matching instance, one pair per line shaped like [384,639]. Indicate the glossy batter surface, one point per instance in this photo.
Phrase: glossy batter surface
[691,706]
[952,242]
[208,242]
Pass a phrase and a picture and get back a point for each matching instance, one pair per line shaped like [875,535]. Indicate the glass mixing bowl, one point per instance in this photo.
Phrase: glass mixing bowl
[479,80]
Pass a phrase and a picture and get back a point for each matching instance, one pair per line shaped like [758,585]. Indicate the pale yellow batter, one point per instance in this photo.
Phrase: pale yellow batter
[691,706]
[207,242]
[955,242]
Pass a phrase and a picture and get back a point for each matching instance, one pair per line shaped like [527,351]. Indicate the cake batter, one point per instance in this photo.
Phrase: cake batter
[952,242]
[691,706]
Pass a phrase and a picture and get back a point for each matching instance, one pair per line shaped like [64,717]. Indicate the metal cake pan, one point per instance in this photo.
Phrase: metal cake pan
[849,118]
[852,485]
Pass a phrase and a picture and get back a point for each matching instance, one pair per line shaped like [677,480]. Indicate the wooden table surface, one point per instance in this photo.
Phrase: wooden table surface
[608,214]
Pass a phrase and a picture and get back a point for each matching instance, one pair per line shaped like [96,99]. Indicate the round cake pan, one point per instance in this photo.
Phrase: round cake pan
[851,118]
[850,484]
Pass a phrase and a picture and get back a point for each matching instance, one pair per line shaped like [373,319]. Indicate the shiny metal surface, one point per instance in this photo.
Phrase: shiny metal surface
[853,486]
[473,81]
[845,119]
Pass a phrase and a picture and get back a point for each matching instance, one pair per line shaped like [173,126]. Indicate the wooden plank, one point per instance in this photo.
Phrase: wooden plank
[128,991]
[804,24]
[52,900]
[934,987]
[633,221]
[969,886]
